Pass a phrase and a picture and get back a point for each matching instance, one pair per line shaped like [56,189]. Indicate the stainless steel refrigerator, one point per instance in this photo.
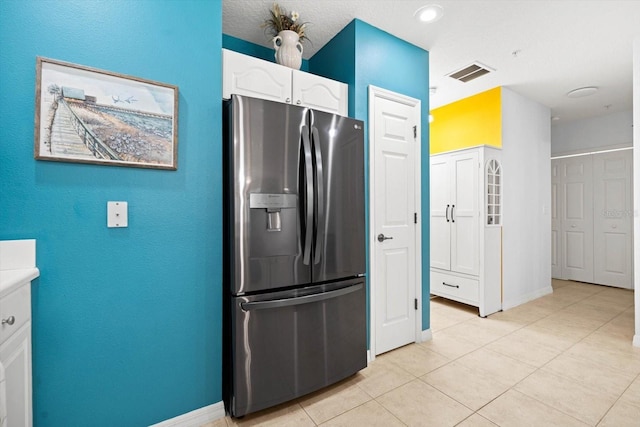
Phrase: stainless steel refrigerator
[294,252]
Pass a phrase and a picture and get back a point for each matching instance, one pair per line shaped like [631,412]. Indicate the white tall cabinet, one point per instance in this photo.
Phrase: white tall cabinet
[466,227]
[246,75]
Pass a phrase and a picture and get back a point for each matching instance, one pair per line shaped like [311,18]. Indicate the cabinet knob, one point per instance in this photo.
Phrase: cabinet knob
[9,321]
[288,100]
[299,102]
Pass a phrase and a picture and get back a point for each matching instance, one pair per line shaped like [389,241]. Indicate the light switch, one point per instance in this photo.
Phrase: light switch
[117,214]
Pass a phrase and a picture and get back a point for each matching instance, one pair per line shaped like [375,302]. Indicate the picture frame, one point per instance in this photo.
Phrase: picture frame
[87,115]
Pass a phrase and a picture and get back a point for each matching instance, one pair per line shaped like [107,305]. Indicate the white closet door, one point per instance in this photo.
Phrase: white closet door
[464,214]
[577,219]
[440,230]
[556,219]
[613,218]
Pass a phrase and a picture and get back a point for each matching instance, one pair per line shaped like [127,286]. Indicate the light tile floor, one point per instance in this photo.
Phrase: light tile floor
[565,359]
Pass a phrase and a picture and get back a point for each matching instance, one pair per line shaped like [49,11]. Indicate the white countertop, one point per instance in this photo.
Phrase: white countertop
[11,279]
[17,264]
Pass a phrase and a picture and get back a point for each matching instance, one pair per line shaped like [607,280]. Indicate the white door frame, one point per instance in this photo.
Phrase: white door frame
[412,102]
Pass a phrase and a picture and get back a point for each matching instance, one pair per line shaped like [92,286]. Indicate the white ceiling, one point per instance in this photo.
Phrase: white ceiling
[561,45]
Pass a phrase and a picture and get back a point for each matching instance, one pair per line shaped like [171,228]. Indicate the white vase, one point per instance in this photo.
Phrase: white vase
[288,49]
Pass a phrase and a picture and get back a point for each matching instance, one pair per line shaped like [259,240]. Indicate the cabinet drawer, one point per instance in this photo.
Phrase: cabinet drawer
[18,305]
[457,288]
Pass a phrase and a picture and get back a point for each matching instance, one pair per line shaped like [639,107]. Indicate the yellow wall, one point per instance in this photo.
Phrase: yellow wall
[470,122]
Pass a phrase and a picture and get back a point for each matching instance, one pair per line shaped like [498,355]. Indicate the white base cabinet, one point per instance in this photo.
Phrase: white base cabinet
[249,76]
[15,358]
[466,228]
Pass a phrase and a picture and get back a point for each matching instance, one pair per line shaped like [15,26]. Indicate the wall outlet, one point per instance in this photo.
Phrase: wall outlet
[117,215]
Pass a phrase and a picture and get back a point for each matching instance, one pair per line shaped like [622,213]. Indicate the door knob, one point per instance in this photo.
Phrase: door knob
[382,238]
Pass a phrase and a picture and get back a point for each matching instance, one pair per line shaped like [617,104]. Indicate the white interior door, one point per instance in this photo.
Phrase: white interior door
[464,213]
[395,162]
[440,193]
[556,220]
[613,218]
[577,239]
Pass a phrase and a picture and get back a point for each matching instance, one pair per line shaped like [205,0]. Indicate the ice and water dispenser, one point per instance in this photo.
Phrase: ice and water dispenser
[274,224]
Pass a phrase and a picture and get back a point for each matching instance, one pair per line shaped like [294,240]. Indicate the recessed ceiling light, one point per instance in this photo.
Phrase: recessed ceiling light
[429,13]
[582,92]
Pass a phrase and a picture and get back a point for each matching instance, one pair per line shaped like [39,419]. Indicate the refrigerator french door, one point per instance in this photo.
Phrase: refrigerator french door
[294,252]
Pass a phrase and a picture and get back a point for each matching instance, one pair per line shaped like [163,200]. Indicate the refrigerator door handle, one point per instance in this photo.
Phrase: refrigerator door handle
[309,195]
[287,302]
[320,208]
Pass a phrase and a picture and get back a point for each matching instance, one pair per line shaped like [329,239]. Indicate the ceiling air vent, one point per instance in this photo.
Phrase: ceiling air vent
[470,72]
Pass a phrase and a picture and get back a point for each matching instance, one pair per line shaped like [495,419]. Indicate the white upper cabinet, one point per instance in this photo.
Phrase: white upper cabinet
[455,212]
[319,93]
[246,75]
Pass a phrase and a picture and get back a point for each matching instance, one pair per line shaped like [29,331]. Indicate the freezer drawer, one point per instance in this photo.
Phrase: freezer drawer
[290,343]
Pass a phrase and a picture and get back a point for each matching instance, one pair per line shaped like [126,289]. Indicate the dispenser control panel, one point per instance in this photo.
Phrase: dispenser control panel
[271,201]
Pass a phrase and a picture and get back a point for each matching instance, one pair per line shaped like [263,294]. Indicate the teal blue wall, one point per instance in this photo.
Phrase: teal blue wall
[126,322]
[337,60]
[362,55]
[387,62]
[238,45]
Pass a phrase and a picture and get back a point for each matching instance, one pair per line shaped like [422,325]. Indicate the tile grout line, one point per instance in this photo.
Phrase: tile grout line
[637,378]
[562,353]
[537,369]
[549,334]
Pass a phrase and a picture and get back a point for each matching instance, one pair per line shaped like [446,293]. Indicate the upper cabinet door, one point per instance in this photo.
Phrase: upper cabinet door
[246,75]
[441,199]
[320,93]
[464,212]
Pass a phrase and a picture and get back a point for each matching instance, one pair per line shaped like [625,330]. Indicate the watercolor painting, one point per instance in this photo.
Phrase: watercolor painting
[87,115]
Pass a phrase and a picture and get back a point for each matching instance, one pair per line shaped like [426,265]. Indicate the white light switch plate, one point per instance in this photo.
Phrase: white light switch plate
[117,215]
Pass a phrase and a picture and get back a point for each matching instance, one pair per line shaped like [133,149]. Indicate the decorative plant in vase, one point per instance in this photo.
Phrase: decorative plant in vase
[288,33]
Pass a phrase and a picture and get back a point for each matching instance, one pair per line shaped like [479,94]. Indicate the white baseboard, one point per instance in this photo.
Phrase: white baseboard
[423,336]
[636,340]
[510,303]
[195,418]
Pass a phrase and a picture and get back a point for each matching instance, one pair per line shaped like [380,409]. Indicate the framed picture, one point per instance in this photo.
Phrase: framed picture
[87,115]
